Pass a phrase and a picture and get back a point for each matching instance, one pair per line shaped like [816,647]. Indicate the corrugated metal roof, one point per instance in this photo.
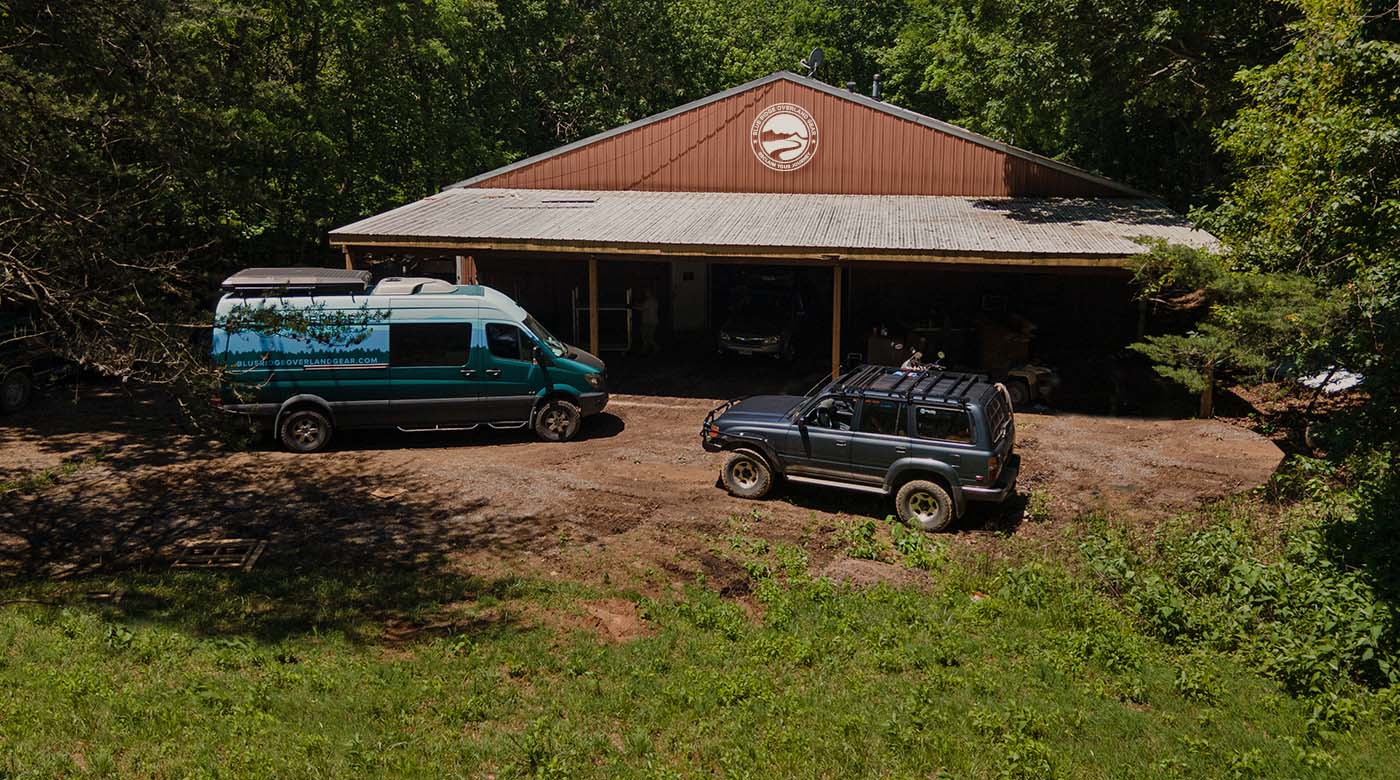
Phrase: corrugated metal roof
[841,224]
[855,97]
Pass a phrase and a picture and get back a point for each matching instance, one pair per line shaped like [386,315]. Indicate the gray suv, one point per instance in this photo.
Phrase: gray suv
[933,439]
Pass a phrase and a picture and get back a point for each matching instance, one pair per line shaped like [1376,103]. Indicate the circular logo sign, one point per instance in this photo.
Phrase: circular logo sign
[784,137]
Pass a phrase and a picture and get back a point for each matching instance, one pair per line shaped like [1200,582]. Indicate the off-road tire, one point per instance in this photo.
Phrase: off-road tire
[305,430]
[924,504]
[16,389]
[558,420]
[1019,392]
[746,475]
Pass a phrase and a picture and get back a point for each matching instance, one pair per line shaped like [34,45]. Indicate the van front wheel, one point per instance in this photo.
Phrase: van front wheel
[557,420]
[305,430]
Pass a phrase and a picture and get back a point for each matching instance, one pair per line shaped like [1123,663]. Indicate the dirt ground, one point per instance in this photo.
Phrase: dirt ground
[633,500]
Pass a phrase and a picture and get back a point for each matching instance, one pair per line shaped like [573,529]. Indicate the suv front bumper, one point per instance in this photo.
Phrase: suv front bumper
[1005,486]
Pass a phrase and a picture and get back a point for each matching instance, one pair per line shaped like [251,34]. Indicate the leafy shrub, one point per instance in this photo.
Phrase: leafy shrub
[1303,478]
[1197,684]
[917,551]
[1038,506]
[861,541]
[1315,627]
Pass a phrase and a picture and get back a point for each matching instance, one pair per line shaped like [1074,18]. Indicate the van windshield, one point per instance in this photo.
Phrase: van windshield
[555,345]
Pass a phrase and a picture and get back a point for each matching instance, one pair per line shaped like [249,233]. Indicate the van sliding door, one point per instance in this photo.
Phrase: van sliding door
[432,379]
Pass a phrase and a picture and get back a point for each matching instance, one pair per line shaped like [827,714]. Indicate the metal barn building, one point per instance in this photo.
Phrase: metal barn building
[895,227]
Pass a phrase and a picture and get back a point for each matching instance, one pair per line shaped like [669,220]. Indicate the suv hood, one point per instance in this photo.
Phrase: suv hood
[761,407]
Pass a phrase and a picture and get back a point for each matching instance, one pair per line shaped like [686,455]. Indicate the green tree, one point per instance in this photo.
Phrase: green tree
[1133,90]
[1249,322]
[1317,153]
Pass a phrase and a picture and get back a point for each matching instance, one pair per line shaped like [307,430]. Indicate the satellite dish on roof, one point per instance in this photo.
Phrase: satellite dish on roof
[813,61]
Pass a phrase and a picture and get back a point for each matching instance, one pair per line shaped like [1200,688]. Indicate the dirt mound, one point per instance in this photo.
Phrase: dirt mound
[864,573]
[611,620]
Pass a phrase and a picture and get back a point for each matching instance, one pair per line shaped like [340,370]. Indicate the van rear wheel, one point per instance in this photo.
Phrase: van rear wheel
[305,430]
[925,505]
[558,420]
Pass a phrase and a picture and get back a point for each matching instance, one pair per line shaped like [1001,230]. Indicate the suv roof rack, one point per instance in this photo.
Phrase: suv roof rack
[911,384]
[299,280]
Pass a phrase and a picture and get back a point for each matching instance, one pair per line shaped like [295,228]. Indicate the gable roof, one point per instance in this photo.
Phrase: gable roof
[1042,175]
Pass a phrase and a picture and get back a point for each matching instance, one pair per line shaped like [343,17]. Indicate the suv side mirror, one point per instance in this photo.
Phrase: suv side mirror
[539,356]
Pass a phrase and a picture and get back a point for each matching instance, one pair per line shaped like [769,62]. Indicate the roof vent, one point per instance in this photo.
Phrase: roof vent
[413,285]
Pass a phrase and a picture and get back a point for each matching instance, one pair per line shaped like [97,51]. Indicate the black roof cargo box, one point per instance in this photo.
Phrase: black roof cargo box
[329,281]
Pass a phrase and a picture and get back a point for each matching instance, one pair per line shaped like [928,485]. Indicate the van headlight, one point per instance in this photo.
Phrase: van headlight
[595,381]
[772,339]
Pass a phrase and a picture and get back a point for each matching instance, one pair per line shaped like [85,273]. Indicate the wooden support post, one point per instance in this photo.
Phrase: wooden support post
[593,345]
[466,270]
[349,258]
[836,321]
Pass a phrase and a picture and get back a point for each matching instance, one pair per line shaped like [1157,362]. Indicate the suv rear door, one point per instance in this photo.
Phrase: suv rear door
[943,433]
[881,438]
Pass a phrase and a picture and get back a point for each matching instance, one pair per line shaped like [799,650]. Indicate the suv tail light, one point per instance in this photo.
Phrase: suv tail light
[993,468]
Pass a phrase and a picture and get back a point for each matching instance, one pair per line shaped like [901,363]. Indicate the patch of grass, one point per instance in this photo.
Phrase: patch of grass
[1043,678]
[1039,507]
[44,478]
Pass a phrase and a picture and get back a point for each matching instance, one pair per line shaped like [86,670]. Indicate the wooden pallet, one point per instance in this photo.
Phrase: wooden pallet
[219,554]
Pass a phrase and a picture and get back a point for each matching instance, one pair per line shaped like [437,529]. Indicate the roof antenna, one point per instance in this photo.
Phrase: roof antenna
[813,61]
[875,87]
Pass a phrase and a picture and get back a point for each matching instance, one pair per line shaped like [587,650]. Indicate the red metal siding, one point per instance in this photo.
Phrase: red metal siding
[860,151]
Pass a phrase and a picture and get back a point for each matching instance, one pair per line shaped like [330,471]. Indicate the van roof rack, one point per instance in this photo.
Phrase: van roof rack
[326,280]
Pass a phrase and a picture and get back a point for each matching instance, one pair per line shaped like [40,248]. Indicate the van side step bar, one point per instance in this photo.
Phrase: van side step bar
[834,484]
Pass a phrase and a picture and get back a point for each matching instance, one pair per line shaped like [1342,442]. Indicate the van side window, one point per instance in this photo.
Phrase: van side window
[943,424]
[429,344]
[878,416]
[506,341]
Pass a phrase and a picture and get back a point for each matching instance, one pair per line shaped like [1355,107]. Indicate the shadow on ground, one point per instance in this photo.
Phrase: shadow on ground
[348,546]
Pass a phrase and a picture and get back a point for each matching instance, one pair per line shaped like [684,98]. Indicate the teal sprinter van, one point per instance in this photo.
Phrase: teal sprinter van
[316,350]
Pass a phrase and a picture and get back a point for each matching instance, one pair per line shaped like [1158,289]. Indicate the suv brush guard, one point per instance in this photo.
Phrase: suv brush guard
[712,416]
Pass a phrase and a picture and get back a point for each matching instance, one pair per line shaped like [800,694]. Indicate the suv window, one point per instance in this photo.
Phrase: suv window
[998,416]
[879,416]
[943,424]
[429,344]
[507,341]
[833,412]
